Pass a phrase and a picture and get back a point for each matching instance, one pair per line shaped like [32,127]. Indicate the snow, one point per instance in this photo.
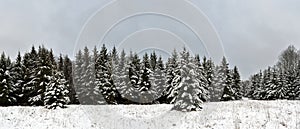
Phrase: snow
[247,114]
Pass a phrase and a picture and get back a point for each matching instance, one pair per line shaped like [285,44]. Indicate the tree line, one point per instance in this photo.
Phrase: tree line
[184,80]
[39,78]
[281,81]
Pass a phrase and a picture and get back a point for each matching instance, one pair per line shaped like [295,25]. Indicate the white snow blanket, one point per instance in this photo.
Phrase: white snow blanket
[247,114]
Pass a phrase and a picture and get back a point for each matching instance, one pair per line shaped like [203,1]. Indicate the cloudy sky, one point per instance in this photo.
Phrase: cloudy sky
[253,32]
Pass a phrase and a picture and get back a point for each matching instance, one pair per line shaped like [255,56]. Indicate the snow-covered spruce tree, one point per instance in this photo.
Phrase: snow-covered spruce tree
[45,64]
[160,81]
[103,75]
[236,84]
[288,62]
[67,71]
[7,88]
[228,92]
[30,64]
[121,80]
[201,76]
[114,60]
[153,81]
[173,77]
[56,94]
[218,84]
[255,86]
[145,74]
[18,79]
[281,90]
[297,83]
[190,91]
[77,74]
[89,91]
[246,87]
[134,69]
[153,60]
[265,84]
[272,85]
[208,71]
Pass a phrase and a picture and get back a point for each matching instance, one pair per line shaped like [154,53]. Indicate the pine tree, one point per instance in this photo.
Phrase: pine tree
[121,80]
[297,83]
[153,81]
[56,94]
[104,76]
[201,75]
[78,80]
[218,84]
[191,90]
[67,72]
[160,81]
[18,79]
[236,85]
[272,85]
[42,77]
[228,92]
[145,74]
[30,62]
[90,92]
[7,88]
[208,71]
[256,86]
[173,77]
[153,60]
[134,70]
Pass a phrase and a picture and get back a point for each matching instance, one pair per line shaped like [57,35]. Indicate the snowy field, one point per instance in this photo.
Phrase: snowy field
[223,115]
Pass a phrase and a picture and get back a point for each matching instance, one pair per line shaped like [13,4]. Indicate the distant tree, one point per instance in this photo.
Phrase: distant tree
[153,60]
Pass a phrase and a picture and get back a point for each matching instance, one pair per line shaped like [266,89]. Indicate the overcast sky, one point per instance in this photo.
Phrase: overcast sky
[253,32]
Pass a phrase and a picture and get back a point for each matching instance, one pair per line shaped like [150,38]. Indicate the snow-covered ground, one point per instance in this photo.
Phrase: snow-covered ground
[245,114]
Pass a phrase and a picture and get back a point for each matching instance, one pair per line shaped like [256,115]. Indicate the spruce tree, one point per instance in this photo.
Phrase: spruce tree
[145,74]
[103,74]
[56,94]
[297,83]
[45,64]
[18,79]
[218,84]
[173,77]
[78,72]
[153,60]
[228,92]
[67,71]
[191,90]
[7,88]
[208,71]
[236,84]
[30,62]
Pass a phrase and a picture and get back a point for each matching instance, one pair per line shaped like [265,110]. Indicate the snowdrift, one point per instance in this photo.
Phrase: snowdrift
[245,114]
